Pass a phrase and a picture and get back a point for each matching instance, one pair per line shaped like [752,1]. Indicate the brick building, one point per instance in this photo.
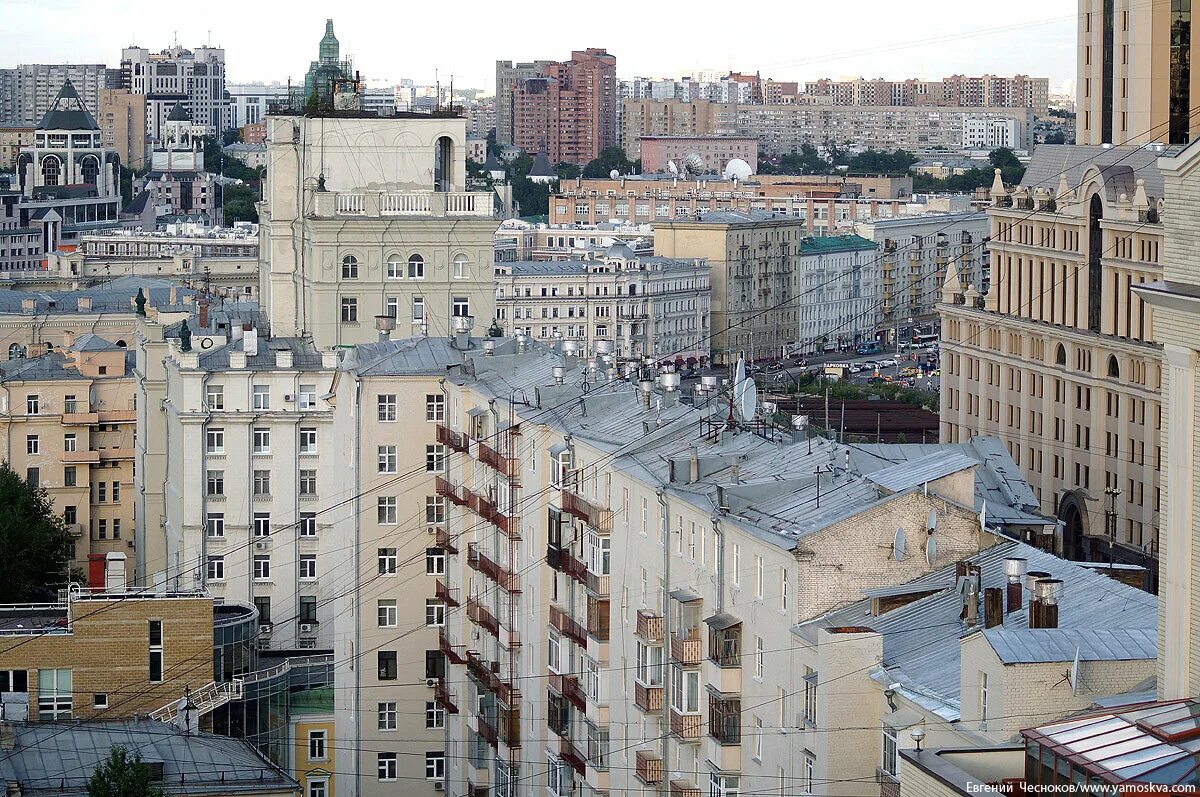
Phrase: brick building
[570,109]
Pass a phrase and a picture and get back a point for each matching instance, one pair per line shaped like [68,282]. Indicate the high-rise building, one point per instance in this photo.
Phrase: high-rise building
[194,77]
[122,119]
[508,75]
[27,91]
[570,110]
[1136,83]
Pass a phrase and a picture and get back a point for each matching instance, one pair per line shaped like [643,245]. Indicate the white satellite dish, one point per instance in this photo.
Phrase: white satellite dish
[614,174]
[899,546]
[694,162]
[672,168]
[737,169]
[983,516]
[1075,673]
[931,521]
[745,392]
[931,549]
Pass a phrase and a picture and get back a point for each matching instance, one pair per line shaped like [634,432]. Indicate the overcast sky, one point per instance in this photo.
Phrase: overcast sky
[798,40]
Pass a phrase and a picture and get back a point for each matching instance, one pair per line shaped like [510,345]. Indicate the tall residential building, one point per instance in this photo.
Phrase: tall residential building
[508,76]
[351,233]
[122,119]
[1058,359]
[249,102]
[1135,81]
[194,77]
[27,91]
[12,141]
[569,111]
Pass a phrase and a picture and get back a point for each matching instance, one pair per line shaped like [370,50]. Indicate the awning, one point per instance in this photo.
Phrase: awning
[558,448]
[477,411]
[902,718]
[722,621]
[685,595]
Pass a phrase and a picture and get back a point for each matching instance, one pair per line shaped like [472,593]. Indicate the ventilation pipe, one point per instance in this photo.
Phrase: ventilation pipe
[1014,569]
[489,348]
[462,333]
[1049,592]
[384,324]
[647,388]
[522,342]
[559,374]
[993,607]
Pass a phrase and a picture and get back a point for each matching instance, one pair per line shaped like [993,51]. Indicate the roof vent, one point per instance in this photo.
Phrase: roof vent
[489,348]
[559,374]
[385,324]
[670,382]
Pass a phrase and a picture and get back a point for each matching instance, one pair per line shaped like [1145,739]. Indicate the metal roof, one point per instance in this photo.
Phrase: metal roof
[115,296]
[913,473]
[1120,165]
[1044,645]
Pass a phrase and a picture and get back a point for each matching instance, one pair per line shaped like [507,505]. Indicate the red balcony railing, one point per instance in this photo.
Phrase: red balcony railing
[447,595]
[568,686]
[565,562]
[684,788]
[453,440]
[649,626]
[685,648]
[487,673]
[450,491]
[453,653]
[506,579]
[568,752]
[648,698]
[445,697]
[486,508]
[597,584]
[506,466]
[595,516]
[487,731]
[481,616]
[686,727]
[568,626]
[648,767]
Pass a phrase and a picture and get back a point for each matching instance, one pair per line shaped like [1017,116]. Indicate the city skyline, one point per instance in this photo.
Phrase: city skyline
[1035,39]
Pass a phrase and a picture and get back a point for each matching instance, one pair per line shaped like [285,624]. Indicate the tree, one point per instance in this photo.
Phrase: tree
[238,202]
[1004,158]
[610,158]
[35,547]
[567,171]
[874,161]
[122,775]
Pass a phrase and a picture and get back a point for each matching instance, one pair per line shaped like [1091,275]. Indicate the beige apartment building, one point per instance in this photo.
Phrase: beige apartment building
[69,426]
[1134,83]
[517,240]
[12,141]
[122,119]
[1059,358]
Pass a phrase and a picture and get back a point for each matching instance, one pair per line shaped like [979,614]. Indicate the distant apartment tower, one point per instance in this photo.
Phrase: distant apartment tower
[249,101]
[27,91]
[570,111]
[508,75]
[122,120]
[194,77]
[1135,81]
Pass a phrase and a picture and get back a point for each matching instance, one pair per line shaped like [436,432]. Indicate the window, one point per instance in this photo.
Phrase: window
[891,758]
[308,482]
[263,604]
[435,766]
[69,476]
[435,612]
[649,668]
[386,660]
[460,306]
[435,458]
[308,609]
[385,407]
[214,440]
[308,440]
[737,565]
[261,397]
[760,658]
[214,397]
[116,528]
[262,440]
[308,397]
[435,407]
[216,568]
[387,716]
[155,633]
[262,567]
[101,492]
[102,529]
[783,590]
[460,267]
[808,767]
[416,267]
[55,694]
[33,404]
[723,785]
[349,267]
[215,480]
[385,509]
[349,310]
[100,700]
[418,309]
[983,700]
[810,696]
[32,445]
[685,690]
[598,742]
[70,442]
[387,766]
[308,524]
[262,482]
[318,787]
[14,681]
[435,509]
[387,561]
[308,566]
[435,715]
[387,459]
[435,562]
[69,404]
[387,613]
[558,776]
[214,524]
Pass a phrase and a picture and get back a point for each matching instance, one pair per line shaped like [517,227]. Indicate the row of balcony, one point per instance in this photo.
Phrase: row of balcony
[594,515]
[509,467]
[481,616]
[487,673]
[486,508]
[506,727]
[568,626]
[568,686]
[506,579]
[565,562]
[455,441]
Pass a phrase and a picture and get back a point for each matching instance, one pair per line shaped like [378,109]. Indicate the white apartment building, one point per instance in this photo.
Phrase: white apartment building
[249,102]
[981,132]
[27,91]
[517,240]
[838,285]
[176,75]
[643,306]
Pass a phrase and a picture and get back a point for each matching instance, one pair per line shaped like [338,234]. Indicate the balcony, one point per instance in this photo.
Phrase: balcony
[81,457]
[477,560]
[449,648]
[572,755]
[450,491]
[388,204]
[447,595]
[648,698]
[568,686]
[80,418]
[455,441]
[444,541]
[684,788]
[510,726]
[562,560]
[568,626]
[445,697]
[486,508]
[597,585]
[482,617]
[595,516]
[686,727]
[648,767]
[506,466]
[649,626]
[597,619]
[685,648]
[487,732]
[725,720]
[75,530]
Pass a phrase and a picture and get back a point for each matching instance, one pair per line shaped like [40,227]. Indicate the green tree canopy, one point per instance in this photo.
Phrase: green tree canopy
[806,161]
[1004,158]
[610,158]
[122,775]
[35,547]
[874,161]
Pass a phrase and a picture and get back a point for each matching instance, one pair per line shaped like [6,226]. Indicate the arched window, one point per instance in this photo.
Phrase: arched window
[349,267]
[89,167]
[1060,355]
[443,161]
[462,269]
[1114,368]
[16,352]
[416,267]
[51,170]
[395,267]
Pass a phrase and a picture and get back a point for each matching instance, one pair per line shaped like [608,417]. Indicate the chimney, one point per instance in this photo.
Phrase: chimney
[693,465]
[489,348]
[993,607]
[462,333]
[1014,568]
[1048,591]
[235,333]
[284,358]
[114,572]
[1032,577]
[84,304]
[95,580]
[202,314]
[68,339]
[647,388]
[249,340]
[237,359]
[522,342]
[385,324]
[559,375]
[172,296]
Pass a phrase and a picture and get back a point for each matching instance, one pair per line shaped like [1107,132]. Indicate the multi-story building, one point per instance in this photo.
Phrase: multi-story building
[348,237]
[985,91]
[20,245]
[254,134]
[1134,83]
[642,306]
[12,141]
[27,91]
[1058,358]
[68,420]
[249,102]
[177,185]
[122,119]
[176,75]
[517,240]
[985,133]
[569,110]
[658,152]
[508,77]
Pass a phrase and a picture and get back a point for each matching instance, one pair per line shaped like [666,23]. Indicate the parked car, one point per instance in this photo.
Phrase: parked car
[888,363]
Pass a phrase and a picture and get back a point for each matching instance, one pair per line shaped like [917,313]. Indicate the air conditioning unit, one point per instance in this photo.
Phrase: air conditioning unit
[308,628]
[431,682]
[289,397]
[262,545]
[439,785]
[264,629]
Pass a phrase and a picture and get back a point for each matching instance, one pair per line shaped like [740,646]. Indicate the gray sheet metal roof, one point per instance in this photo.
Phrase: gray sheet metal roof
[115,296]
[1044,645]
[1122,165]
[305,356]
[52,757]
[905,475]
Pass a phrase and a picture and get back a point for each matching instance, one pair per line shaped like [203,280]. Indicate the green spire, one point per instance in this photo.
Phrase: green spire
[330,50]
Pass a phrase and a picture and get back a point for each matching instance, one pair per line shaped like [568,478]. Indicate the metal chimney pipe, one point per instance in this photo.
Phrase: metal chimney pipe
[1014,568]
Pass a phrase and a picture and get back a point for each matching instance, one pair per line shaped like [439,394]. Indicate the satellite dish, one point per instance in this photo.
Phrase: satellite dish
[672,168]
[694,163]
[745,392]
[737,169]
[614,174]
[931,549]
[899,546]
[1075,673]
[983,516]
[931,521]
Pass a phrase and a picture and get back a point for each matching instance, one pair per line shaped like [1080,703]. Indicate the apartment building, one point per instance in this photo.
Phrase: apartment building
[568,110]
[27,91]
[508,77]
[1058,359]
[518,240]
[20,245]
[177,186]
[176,75]
[12,141]
[249,102]
[642,306]
[715,152]
[68,416]
[985,133]
[1134,83]
[122,120]
[348,237]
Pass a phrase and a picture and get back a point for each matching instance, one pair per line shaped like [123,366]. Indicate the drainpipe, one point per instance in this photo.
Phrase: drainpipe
[663,785]
[8,426]
[203,493]
[719,539]
[357,609]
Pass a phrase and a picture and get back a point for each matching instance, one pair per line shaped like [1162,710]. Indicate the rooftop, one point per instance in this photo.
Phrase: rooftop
[566,268]
[115,296]
[1121,167]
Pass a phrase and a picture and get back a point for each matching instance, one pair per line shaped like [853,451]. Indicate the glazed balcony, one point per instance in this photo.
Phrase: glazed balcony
[445,697]
[597,618]
[392,204]
[648,698]
[510,726]
[685,647]
[571,754]
[444,541]
[505,466]
[450,491]
[455,441]
[568,686]
[684,788]
[568,626]
[447,595]
[648,767]
[506,579]
[649,626]
[686,727]
[725,720]
[594,515]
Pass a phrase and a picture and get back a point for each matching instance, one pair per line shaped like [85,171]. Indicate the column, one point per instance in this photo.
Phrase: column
[1177,636]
